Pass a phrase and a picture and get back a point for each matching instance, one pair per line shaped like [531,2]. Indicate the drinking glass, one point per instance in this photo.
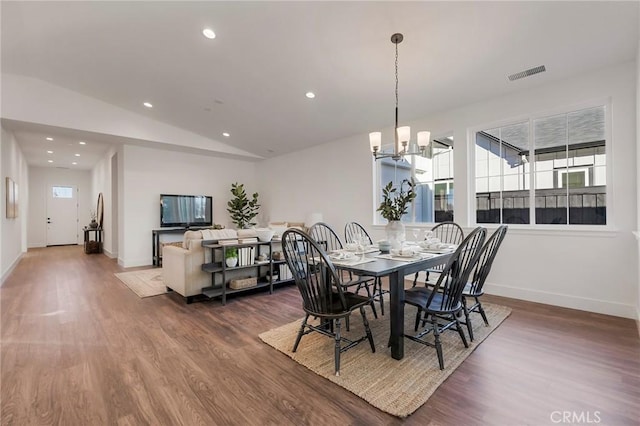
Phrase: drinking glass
[362,241]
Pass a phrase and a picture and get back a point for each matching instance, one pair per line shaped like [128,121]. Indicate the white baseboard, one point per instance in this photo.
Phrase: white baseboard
[134,262]
[564,300]
[9,270]
[109,254]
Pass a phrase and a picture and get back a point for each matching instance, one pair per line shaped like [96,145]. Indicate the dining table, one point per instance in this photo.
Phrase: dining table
[396,269]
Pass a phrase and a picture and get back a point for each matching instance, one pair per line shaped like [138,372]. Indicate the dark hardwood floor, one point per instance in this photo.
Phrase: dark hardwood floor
[80,348]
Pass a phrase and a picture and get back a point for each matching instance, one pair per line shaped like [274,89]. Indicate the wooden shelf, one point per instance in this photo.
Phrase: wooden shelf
[212,292]
[217,267]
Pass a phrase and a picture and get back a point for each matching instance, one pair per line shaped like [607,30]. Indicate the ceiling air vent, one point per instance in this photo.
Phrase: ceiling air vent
[527,73]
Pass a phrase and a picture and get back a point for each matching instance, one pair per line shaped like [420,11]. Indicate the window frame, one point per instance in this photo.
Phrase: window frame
[566,109]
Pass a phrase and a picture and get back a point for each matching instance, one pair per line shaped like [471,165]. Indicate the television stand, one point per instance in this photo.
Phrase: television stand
[155,240]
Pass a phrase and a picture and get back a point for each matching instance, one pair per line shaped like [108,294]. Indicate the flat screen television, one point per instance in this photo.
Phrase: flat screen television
[185,210]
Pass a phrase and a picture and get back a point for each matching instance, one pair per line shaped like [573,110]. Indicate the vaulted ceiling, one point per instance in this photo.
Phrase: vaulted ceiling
[251,80]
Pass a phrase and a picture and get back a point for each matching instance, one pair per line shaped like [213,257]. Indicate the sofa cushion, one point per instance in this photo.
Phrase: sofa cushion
[218,234]
[190,235]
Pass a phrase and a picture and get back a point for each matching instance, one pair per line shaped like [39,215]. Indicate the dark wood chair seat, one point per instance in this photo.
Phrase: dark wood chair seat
[352,230]
[328,239]
[475,288]
[323,293]
[442,304]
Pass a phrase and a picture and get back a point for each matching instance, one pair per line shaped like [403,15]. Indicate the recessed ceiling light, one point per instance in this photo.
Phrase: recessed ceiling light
[74,163]
[49,161]
[77,155]
[49,139]
[226,135]
[310,95]
[148,105]
[208,33]
[82,143]
[49,152]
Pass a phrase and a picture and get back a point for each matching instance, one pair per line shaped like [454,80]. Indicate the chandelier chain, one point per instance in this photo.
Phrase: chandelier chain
[396,81]
[402,135]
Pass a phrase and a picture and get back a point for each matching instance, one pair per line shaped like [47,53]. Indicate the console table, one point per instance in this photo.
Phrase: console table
[95,245]
[155,241]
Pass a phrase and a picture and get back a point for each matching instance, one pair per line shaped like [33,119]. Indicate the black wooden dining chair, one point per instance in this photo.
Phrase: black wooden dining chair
[328,239]
[352,232]
[474,288]
[442,303]
[323,295]
[446,232]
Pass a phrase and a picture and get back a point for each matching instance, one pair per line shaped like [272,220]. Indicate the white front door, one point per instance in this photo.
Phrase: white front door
[62,215]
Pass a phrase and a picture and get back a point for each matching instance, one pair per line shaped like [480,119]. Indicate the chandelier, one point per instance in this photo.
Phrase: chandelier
[401,146]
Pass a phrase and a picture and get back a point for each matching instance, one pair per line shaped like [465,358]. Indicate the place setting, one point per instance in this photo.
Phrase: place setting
[406,254]
[346,257]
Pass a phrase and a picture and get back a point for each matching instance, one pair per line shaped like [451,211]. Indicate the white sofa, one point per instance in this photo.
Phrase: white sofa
[182,266]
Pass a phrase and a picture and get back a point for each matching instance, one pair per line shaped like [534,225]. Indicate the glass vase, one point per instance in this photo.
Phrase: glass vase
[395,233]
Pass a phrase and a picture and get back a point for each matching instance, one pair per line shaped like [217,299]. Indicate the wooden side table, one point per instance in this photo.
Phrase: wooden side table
[95,245]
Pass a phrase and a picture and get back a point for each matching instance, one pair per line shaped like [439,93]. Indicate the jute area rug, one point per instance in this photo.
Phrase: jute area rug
[396,387]
[144,282]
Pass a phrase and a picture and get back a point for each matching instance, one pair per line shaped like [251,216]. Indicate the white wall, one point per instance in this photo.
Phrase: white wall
[333,179]
[13,232]
[595,271]
[637,233]
[147,173]
[40,179]
[101,183]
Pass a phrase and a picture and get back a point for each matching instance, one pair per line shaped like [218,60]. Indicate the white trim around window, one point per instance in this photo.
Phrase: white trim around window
[609,227]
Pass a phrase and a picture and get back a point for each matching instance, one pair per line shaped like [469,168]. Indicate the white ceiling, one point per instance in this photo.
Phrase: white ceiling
[251,80]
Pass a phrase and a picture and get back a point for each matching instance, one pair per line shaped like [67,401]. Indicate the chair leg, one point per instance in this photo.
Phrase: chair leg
[415,279]
[367,329]
[417,319]
[379,283]
[438,344]
[300,333]
[467,318]
[460,332]
[373,302]
[337,348]
[484,316]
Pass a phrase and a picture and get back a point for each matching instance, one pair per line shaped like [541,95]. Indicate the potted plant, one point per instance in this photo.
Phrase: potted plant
[393,206]
[231,257]
[241,208]
[93,224]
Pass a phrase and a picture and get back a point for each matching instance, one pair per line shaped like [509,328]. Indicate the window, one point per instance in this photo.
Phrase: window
[433,176]
[62,191]
[563,183]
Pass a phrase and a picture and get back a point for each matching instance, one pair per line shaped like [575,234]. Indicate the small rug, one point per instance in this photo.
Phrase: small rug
[396,387]
[145,282]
